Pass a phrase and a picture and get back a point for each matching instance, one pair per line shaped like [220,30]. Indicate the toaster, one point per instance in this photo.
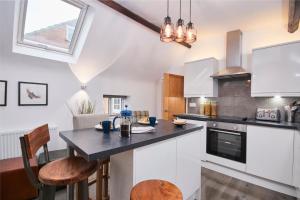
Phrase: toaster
[268,114]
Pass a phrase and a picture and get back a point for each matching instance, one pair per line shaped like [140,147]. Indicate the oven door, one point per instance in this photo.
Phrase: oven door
[226,144]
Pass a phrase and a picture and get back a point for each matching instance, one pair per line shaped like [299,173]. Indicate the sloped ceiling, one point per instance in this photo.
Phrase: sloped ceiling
[123,47]
[213,17]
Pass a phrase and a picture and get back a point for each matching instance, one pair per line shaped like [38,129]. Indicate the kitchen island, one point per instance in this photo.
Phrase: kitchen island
[170,153]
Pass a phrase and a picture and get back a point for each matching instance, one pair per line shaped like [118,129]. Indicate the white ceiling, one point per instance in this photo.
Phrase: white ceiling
[213,17]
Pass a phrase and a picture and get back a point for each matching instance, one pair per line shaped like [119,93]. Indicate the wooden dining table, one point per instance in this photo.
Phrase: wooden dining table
[93,144]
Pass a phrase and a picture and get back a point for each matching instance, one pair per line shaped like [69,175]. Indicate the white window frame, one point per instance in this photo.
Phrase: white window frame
[28,43]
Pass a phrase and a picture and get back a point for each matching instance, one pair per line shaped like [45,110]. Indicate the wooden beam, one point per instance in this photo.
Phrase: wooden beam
[294,15]
[119,8]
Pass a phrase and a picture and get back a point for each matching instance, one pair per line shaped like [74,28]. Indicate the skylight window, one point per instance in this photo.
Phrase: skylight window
[51,24]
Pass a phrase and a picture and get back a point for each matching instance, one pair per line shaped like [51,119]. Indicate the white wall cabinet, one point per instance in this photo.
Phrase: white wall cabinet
[197,80]
[270,153]
[276,70]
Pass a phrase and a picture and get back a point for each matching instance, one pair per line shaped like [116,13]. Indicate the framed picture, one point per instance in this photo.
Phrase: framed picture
[33,94]
[3,93]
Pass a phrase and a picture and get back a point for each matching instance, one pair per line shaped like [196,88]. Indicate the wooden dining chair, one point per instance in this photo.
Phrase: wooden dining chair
[65,171]
[101,177]
[155,189]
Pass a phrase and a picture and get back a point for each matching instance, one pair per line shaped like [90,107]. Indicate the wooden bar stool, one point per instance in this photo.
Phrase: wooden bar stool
[65,171]
[155,189]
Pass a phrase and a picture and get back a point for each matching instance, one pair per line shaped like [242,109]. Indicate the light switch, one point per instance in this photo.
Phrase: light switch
[192,105]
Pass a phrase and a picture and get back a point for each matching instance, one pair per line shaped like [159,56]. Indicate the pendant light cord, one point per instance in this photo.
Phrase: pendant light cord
[180,9]
[190,10]
[167,7]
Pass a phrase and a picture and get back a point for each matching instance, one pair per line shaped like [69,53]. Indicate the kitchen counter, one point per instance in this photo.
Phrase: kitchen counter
[93,144]
[237,120]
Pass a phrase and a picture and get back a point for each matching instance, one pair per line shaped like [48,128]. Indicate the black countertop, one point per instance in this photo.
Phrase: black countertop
[237,120]
[93,144]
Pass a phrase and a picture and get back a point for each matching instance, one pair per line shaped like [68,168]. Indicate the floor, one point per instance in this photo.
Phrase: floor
[216,186]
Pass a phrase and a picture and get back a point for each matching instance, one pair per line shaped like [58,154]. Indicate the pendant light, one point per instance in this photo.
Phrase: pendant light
[180,31]
[191,32]
[167,29]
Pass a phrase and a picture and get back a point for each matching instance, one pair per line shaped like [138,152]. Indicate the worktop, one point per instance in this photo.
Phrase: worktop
[93,144]
[237,120]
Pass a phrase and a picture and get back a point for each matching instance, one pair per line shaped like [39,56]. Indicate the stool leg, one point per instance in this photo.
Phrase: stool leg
[83,190]
[70,192]
[99,184]
[47,193]
[105,180]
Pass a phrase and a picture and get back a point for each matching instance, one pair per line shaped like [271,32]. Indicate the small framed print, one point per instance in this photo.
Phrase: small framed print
[3,93]
[33,94]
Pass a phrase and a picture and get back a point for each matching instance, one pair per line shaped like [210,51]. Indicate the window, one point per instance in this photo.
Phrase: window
[51,25]
[113,104]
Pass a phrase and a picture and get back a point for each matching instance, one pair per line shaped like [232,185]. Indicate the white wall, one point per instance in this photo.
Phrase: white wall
[63,84]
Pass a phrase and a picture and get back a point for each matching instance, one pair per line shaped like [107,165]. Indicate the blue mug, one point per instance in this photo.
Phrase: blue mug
[106,126]
[152,121]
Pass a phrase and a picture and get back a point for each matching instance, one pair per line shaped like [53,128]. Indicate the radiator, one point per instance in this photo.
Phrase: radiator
[10,144]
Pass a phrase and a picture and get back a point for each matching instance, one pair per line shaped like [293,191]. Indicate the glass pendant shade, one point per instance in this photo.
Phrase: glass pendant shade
[167,30]
[191,33]
[180,31]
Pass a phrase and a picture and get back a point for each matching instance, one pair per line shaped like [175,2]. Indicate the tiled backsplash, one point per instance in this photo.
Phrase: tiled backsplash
[235,100]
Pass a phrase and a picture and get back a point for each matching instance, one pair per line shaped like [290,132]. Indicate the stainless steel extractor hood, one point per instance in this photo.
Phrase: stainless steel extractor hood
[233,67]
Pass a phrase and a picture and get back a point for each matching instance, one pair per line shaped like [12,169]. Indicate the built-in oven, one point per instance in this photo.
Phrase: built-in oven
[227,140]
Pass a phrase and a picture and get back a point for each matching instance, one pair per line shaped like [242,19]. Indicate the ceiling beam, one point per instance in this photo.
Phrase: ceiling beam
[294,15]
[121,9]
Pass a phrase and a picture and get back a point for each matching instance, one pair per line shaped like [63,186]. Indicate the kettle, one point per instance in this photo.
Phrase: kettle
[125,122]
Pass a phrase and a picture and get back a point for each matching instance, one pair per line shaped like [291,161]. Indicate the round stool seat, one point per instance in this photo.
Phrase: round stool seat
[67,171]
[155,189]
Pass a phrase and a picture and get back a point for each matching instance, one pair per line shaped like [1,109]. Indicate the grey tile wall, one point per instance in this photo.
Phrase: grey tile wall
[235,100]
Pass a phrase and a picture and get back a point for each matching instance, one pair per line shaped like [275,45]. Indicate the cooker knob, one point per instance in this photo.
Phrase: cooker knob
[214,125]
[235,128]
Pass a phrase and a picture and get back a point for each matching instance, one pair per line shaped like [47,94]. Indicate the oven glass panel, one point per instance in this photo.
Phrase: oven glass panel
[227,145]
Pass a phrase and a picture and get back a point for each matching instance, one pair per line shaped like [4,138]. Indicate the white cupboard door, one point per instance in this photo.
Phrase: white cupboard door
[296,169]
[188,163]
[202,141]
[270,153]
[156,161]
[275,70]
[197,80]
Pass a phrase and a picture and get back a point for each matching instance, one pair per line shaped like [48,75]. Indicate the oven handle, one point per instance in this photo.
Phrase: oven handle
[232,133]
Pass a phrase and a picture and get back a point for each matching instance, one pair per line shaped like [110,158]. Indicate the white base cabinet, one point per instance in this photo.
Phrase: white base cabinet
[176,160]
[270,153]
[197,80]
[156,161]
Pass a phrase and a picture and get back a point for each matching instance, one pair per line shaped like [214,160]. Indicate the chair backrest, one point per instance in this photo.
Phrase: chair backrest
[87,120]
[137,115]
[36,139]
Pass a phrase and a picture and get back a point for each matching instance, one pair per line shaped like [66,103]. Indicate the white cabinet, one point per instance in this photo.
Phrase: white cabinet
[197,80]
[156,161]
[276,70]
[270,153]
[296,169]
[176,160]
[188,163]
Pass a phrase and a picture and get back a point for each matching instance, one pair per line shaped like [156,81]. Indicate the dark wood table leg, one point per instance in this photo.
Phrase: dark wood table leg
[70,188]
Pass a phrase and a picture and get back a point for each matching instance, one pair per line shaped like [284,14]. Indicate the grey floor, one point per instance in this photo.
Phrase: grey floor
[216,186]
